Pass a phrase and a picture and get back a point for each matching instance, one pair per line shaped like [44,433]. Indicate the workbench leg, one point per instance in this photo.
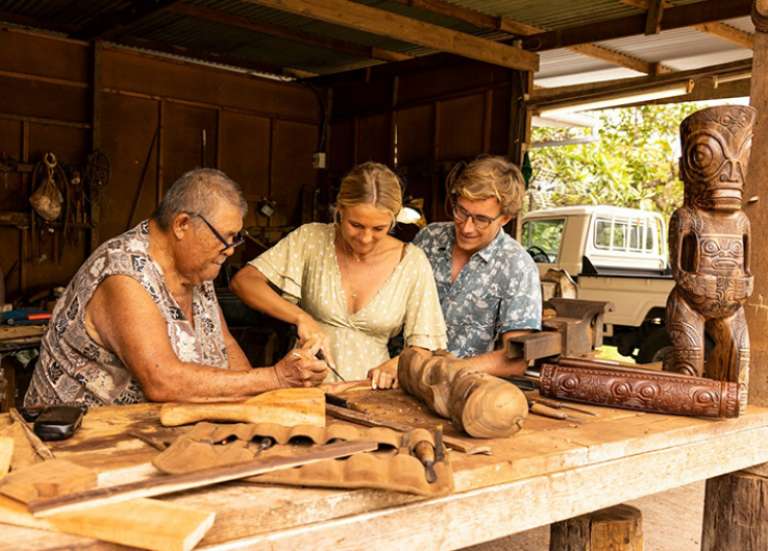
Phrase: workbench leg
[735,512]
[618,528]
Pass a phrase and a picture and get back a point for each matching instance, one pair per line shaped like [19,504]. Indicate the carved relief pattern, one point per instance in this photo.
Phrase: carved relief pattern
[708,238]
[641,391]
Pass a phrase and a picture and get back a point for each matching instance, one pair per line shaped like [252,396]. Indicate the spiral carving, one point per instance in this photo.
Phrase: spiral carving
[638,390]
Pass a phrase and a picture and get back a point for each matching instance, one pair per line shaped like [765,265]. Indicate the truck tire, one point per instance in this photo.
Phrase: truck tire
[655,348]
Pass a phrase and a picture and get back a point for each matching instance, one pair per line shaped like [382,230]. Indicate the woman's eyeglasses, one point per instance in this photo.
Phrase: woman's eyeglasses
[238,239]
[480,221]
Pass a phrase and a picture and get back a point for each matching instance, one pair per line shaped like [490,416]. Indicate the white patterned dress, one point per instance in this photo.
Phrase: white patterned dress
[304,266]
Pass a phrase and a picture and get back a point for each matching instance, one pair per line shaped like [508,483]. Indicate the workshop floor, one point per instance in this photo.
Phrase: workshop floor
[671,522]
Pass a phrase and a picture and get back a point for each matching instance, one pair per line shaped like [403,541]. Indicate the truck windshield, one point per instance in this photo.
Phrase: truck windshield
[543,236]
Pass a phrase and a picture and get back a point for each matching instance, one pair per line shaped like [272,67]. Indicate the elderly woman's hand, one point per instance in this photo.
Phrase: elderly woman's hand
[300,367]
[384,376]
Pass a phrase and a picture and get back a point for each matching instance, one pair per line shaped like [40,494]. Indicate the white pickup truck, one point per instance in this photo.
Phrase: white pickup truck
[612,254]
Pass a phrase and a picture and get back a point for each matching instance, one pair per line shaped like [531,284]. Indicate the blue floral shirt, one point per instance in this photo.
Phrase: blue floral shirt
[497,291]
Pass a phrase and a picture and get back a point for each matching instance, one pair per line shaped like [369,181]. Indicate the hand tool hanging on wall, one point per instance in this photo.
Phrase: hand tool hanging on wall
[142,179]
[560,373]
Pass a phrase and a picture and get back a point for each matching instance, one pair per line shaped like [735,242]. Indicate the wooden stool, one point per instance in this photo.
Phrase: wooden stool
[618,528]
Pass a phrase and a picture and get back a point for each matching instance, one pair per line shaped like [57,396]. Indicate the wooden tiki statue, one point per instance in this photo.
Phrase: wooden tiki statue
[709,240]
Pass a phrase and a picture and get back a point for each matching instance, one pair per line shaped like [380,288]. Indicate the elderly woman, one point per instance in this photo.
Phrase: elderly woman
[352,282]
[140,319]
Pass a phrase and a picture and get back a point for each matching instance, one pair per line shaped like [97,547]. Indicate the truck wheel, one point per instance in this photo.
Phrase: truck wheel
[655,348]
[658,346]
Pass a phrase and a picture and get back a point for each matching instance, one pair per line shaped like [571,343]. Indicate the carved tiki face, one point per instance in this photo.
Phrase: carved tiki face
[715,153]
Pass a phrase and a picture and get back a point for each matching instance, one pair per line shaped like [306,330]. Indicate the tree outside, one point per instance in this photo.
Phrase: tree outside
[634,162]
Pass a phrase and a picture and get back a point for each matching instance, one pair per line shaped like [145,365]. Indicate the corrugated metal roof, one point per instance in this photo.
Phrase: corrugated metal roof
[679,49]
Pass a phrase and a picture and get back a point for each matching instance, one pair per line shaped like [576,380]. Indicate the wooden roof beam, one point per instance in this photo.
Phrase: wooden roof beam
[715,28]
[398,27]
[208,57]
[653,17]
[688,15]
[108,24]
[505,24]
[288,33]
[547,96]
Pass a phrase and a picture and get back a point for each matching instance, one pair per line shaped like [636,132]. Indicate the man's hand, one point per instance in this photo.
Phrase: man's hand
[300,367]
[384,376]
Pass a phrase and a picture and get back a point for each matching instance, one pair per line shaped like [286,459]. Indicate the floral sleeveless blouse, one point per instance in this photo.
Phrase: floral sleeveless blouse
[74,369]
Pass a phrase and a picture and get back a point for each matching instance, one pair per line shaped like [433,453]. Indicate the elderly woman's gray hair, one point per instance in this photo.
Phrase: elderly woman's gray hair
[199,191]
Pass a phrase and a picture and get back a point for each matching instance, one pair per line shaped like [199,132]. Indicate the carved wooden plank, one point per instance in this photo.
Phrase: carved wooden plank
[285,406]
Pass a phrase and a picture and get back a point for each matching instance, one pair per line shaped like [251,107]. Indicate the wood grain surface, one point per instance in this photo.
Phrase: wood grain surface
[549,471]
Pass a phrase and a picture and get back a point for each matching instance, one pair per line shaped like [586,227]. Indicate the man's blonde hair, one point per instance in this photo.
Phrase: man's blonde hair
[487,177]
[374,184]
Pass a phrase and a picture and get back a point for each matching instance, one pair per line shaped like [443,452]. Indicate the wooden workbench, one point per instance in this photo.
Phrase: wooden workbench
[552,470]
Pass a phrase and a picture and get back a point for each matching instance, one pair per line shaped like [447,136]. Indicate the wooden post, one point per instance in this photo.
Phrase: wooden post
[735,513]
[618,528]
[96,113]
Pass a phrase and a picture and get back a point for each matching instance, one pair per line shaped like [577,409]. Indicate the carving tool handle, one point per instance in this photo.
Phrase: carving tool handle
[641,390]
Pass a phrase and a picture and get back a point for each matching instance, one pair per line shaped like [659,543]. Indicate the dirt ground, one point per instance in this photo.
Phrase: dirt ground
[671,522]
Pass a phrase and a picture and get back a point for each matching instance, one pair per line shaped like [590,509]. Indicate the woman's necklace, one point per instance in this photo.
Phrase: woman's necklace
[356,260]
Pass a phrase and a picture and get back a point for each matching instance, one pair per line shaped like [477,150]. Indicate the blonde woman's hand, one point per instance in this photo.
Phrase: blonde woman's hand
[310,332]
[384,376]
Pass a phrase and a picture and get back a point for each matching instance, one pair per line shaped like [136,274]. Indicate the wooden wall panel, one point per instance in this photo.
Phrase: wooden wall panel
[245,152]
[233,107]
[9,258]
[425,86]
[341,147]
[43,99]
[372,95]
[12,194]
[460,127]
[415,134]
[292,147]
[374,139]
[45,56]
[182,139]
[143,74]
[70,145]
[500,121]
[128,128]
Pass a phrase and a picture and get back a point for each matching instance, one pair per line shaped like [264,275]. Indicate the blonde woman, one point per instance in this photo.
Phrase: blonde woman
[350,283]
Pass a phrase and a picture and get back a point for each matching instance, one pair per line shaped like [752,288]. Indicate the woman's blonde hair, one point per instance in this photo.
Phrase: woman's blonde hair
[373,184]
[488,177]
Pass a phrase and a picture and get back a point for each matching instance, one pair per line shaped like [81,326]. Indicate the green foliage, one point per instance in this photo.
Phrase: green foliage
[634,163]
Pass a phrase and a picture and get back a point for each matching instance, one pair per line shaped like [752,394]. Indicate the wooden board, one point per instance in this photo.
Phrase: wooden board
[144,523]
[176,483]
[6,453]
[285,406]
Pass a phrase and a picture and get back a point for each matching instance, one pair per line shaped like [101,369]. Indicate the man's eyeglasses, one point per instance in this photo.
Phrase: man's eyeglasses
[238,240]
[481,221]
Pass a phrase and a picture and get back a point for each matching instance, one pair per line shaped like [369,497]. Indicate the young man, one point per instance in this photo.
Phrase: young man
[488,284]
